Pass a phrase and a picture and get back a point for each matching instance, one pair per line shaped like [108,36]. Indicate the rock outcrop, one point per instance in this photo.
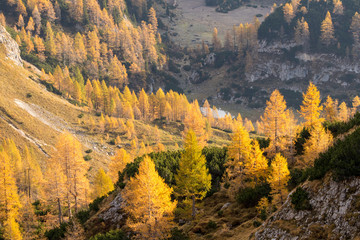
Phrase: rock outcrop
[11,47]
[335,214]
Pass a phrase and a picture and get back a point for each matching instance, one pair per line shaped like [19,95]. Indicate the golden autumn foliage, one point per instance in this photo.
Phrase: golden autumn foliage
[194,120]
[319,141]
[263,205]
[102,184]
[148,202]
[356,105]
[256,166]
[274,121]
[9,199]
[278,178]
[192,179]
[343,112]
[72,164]
[239,151]
[330,109]
[311,109]
[118,163]
[327,30]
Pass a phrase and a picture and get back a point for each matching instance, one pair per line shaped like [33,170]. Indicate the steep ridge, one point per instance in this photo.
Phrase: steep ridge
[334,215]
[11,47]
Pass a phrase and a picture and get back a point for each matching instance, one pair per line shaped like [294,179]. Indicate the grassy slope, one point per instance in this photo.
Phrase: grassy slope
[54,114]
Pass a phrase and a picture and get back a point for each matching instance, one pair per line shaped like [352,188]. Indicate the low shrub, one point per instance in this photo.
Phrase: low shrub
[300,199]
[83,216]
[249,197]
[177,234]
[57,232]
[111,235]
[211,225]
[87,157]
[94,206]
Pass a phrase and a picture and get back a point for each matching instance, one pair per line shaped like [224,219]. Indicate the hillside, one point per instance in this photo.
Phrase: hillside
[141,119]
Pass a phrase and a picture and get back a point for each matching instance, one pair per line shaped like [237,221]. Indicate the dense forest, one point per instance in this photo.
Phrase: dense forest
[102,56]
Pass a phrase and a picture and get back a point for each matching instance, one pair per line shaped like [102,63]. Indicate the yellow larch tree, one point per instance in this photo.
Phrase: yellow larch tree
[278,178]
[263,205]
[343,112]
[288,12]
[248,125]
[118,163]
[355,30]
[330,109]
[302,33]
[12,229]
[192,179]
[148,202]
[55,185]
[32,178]
[15,159]
[74,167]
[338,7]
[311,109]
[319,141]
[102,184]
[239,151]
[208,112]
[274,121]
[327,30]
[152,19]
[144,105]
[194,120]
[9,199]
[215,40]
[257,165]
[355,105]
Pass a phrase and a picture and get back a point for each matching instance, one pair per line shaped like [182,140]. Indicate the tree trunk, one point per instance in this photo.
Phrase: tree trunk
[193,207]
[60,213]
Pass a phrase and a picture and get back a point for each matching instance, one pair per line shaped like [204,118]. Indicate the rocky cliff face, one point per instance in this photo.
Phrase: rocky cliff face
[288,69]
[11,47]
[335,214]
[109,216]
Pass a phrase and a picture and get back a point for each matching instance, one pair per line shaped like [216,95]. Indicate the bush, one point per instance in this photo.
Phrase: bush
[173,67]
[297,176]
[187,68]
[87,158]
[249,197]
[39,209]
[337,128]
[81,115]
[88,151]
[177,234]
[28,95]
[263,215]
[300,141]
[300,199]
[111,235]
[256,224]
[57,232]
[342,159]
[112,142]
[263,142]
[83,216]
[94,206]
[220,213]
[211,225]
